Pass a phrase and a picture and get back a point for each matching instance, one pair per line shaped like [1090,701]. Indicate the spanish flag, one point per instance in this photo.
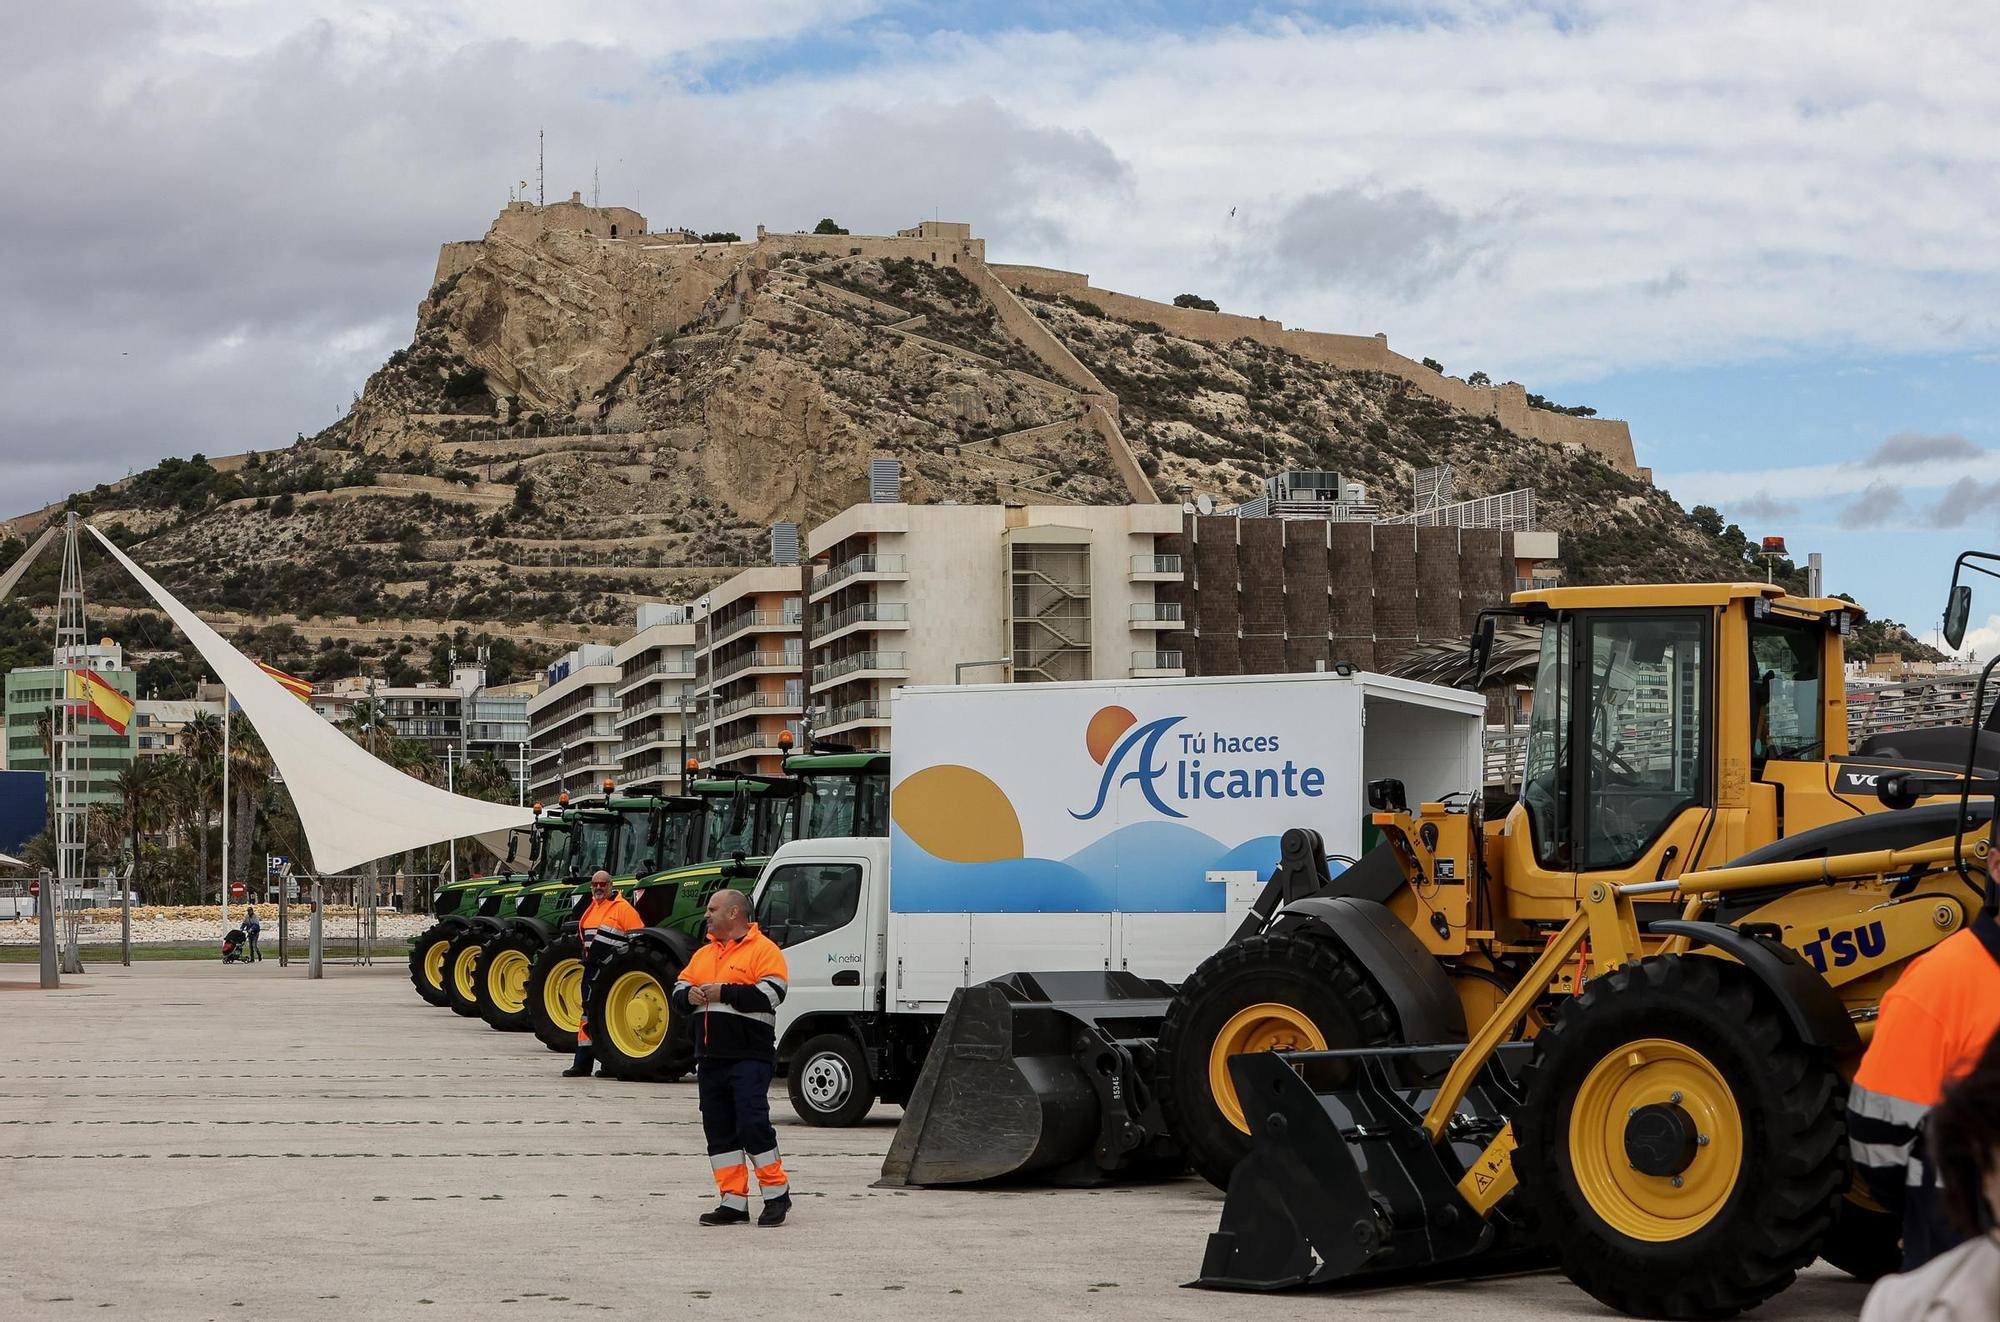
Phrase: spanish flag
[104,702]
[301,689]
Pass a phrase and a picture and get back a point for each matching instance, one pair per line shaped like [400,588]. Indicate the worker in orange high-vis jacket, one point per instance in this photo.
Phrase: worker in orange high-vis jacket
[602,930]
[732,989]
[1934,1023]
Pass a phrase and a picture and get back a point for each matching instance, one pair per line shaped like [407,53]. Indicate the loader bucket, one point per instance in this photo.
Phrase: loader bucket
[1035,1074]
[1342,1180]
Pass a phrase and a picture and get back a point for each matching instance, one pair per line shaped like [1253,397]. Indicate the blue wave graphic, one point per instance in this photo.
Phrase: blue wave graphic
[1147,867]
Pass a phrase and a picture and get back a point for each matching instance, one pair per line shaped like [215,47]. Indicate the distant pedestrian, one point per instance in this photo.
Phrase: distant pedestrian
[607,912]
[251,927]
[733,986]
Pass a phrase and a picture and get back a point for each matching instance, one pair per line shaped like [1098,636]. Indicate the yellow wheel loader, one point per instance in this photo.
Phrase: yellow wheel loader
[1637,1002]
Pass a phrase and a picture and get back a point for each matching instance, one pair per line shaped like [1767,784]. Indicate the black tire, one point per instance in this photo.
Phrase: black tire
[1742,1228]
[828,1081]
[500,987]
[436,935]
[628,1006]
[552,980]
[1864,1242]
[461,972]
[1317,979]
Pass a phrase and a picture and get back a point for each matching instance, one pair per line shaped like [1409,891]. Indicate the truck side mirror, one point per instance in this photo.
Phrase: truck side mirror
[1957,610]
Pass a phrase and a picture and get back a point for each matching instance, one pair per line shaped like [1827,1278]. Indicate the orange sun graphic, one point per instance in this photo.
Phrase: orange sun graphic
[1103,731]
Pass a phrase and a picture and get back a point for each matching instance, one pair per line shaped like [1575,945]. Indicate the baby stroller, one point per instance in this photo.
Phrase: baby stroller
[232,946]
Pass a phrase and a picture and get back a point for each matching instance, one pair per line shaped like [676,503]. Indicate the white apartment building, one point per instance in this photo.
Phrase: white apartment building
[750,668]
[906,594]
[655,692]
[573,725]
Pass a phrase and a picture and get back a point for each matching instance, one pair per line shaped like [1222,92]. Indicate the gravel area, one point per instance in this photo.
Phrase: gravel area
[101,925]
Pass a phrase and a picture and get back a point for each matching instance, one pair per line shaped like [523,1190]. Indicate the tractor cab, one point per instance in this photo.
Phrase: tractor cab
[846,794]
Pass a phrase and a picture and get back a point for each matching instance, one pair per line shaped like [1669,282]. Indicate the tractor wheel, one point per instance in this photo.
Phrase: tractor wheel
[1284,991]
[827,1081]
[1681,1147]
[632,1030]
[427,962]
[555,993]
[1865,1242]
[461,973]
[502,980]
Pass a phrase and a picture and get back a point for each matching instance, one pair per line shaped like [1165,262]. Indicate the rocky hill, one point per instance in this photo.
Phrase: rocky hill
[582,423]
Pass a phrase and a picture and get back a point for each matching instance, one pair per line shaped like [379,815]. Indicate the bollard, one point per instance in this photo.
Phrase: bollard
[284,916]
[125,916]
[69,942]
[313,935]
[45,910]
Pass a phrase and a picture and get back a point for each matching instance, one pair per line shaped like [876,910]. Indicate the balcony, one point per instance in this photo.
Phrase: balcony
[867,568]
[649,739]
[1157,569]
[872,664]
[748,620]
[1157,665]
[884,614]
[631,714]
[754,661]
[854,714]
[1158,615]
[758,743]
[670,669]
[757,702]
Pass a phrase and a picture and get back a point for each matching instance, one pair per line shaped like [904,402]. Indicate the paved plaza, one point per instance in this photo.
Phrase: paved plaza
[189,1139]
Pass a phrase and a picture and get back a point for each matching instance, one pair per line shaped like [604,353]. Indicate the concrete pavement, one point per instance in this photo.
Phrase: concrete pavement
[189,1139]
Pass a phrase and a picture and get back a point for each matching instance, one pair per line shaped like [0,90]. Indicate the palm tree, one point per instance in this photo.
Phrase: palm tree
[201,739]
[141,800]
[249,773]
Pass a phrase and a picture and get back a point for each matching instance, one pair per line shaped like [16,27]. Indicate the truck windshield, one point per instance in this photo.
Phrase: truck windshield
[846,804]
[803,900]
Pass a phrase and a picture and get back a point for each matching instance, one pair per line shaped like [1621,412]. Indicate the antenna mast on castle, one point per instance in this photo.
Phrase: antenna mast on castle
[593,183]
[541,159]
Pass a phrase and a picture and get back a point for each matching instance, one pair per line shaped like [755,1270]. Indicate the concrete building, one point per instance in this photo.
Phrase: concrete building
[750,662]
[907,593]
[159,725]
[573,725]
[464,719]
[656,707]
[31,693]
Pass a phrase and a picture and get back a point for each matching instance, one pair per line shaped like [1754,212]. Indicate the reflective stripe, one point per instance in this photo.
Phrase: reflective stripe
[771,1191]
[741,1202]
[1883,1156]
[1916,1176]
[771,994]
[1881,1106]
[775,981]
[763,1159]
[724,1160]
[717,1007]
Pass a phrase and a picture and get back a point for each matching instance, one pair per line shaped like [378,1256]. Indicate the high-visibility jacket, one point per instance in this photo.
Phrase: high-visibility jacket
[1934,1024]
[742,1024]
[614,913]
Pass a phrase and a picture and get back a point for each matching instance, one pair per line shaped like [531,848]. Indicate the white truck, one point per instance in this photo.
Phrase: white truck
[1118,827]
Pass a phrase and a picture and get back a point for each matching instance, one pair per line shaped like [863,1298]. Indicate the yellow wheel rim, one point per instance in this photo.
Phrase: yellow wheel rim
[462,970]
[507,981]
[434,963]
[562,995]
[1655,1208]
[1266,1026]
[635,1014]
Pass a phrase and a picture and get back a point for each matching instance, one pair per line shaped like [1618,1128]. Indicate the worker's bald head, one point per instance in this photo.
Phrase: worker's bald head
[728,914]
[600,883]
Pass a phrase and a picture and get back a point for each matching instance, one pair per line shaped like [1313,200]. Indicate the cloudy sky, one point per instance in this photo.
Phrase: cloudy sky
[1764,233]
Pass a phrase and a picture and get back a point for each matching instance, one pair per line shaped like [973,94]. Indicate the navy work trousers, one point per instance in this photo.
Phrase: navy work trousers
[736,1105]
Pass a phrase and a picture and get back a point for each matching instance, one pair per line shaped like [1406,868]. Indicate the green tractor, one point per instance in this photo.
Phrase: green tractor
[821,795]
[579,841]
[459,902]
[648,834]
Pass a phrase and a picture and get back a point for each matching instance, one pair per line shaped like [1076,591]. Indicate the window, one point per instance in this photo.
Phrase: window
[1786,706]
[1545,769]
[806,900]
[1648,733]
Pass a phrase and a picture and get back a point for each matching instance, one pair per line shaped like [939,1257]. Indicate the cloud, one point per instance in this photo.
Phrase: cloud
[1968,501]
[1401,242]
[1762,505]
[1881,505]
[1983,641]
[1910,448]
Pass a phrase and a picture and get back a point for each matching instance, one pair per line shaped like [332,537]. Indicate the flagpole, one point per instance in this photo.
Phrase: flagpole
[225,809]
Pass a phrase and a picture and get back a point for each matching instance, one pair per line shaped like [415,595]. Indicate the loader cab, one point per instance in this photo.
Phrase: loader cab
[1667,725]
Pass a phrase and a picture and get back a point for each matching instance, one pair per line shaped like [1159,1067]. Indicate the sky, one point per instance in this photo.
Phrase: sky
[1764,234]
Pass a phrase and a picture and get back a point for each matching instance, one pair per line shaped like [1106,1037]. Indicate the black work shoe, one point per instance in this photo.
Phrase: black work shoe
[723,1216]
[578,1072]
[774,1211]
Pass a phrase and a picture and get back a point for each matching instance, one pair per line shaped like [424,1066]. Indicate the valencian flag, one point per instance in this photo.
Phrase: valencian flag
[104,702]
[301,689]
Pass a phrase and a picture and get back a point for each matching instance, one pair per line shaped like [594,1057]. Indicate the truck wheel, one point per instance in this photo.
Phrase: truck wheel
[1865,1242]
[1284,991]
[828,1081]
[1681,1147]
[427,962]
[502,980]
[633,1030]
[461,973]
[555,993]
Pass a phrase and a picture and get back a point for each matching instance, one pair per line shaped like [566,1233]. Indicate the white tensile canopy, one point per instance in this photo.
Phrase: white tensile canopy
[352,806]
